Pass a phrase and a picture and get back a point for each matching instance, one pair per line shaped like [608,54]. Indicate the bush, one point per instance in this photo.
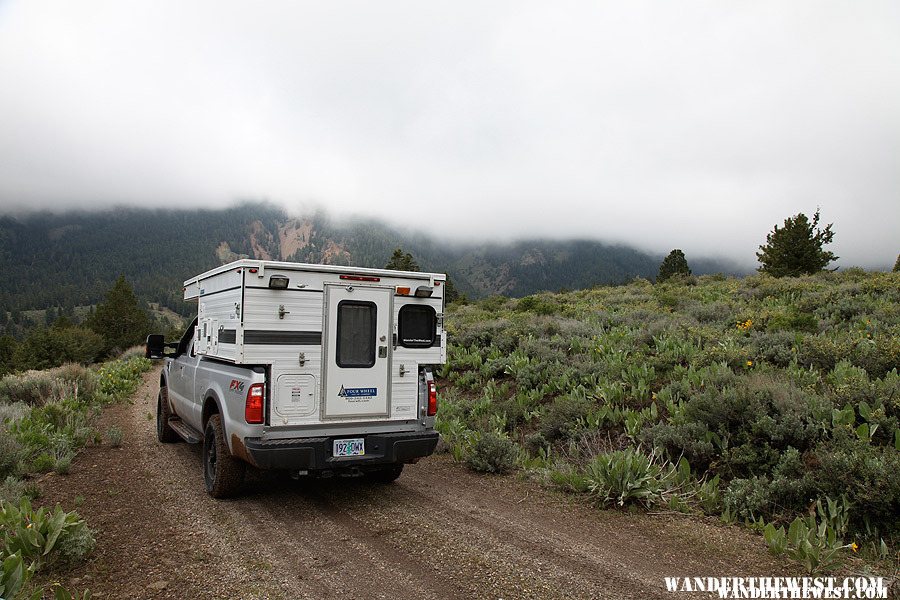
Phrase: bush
[11,453]
[868,475]
[626,476]
[539,305]
[32,388]
[44,537]
[560,421]
[815,541]
[114,436]
[492,453]
[757,421]
[46,348]
[14,575]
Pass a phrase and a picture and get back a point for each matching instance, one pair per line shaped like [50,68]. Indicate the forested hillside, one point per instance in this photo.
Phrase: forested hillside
[65,260]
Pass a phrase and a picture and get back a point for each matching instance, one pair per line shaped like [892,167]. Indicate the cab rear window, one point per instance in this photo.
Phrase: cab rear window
[417,326]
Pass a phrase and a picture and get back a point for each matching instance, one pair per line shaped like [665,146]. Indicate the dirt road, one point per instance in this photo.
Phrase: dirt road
[440,531]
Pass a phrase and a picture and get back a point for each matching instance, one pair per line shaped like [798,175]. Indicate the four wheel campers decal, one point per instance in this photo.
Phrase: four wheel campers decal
[358,394]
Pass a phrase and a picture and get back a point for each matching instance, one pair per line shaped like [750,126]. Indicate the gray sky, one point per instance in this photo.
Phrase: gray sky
[696,125]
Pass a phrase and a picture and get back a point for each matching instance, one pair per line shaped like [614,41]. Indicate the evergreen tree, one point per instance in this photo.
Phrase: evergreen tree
[8,346]
[897,265]
[402,261]
[451,294]
[674,264]
[797,248]
[120,319]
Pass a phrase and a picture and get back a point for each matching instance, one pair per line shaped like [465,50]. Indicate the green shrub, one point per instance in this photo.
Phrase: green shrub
[12,489]
[566,477]
[748,498]
[539,305]
[794,321]
[44,537]
[758,420]
[626,476]
[14,575]
[815,541]
[11,453]
[51,347]
[777,348]
[869,476]
[492,453]
[114,436]
[32,389]
[560,420]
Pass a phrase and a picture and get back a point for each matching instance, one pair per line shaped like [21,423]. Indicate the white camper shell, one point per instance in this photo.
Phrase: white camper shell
[339,344]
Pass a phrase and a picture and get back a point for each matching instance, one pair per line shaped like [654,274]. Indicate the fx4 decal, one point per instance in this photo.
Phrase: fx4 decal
[236,386]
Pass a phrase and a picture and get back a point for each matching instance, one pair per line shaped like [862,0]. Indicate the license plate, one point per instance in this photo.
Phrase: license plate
[354,447]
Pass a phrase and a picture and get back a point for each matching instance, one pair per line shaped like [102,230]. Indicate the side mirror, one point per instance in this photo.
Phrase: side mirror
[156,346]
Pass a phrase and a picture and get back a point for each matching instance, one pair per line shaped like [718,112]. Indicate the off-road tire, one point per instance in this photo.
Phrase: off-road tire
[222,473]
[385,475]
[164,433]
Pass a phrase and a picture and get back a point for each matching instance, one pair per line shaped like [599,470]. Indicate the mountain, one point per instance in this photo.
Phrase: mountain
[70,259]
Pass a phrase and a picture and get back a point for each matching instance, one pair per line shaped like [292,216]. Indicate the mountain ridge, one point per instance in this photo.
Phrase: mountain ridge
[71,258]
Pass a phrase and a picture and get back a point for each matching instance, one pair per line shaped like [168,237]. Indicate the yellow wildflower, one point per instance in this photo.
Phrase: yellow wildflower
[749,363]
[854,547]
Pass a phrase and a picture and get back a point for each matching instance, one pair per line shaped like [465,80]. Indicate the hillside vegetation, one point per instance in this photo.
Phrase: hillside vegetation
[65,260]
[751,399]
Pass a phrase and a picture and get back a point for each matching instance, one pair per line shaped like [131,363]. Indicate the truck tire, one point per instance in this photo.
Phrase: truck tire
[222,472]
[386,474]
[164,433]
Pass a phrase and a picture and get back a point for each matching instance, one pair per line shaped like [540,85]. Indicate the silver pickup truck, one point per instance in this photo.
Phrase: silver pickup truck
[312,369]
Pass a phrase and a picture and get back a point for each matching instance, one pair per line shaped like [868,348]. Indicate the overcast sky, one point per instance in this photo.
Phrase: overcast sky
[696,125]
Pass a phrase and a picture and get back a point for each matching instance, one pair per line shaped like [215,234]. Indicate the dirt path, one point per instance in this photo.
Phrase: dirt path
[440,531]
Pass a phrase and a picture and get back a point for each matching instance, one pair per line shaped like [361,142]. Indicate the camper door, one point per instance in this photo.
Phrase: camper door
[357,350]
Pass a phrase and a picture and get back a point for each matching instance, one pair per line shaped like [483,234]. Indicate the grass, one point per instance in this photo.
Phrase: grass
[750,399]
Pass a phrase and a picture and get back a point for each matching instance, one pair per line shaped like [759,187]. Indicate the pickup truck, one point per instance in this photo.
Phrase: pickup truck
[317,370]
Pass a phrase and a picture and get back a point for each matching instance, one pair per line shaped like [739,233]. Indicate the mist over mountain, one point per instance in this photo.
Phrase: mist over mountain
[71,258]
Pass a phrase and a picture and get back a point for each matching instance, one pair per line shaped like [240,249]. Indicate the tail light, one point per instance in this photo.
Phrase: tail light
[432,399]
[253,410]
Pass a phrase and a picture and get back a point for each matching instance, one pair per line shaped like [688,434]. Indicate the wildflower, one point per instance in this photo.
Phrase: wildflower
[749,363]
[854,547]
[28,526]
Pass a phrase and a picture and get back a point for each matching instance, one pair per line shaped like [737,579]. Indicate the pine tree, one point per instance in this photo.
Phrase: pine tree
[120,319]
[897,265]
[8,347]
[797,248]
[674,264]
[402,261]
[451,294]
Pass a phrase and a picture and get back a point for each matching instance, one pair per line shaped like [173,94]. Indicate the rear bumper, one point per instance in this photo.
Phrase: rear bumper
[315,453]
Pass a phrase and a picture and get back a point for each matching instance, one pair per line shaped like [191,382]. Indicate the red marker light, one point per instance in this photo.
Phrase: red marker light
[432,399]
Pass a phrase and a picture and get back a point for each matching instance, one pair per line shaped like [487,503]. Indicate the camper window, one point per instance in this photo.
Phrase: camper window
[356,334]
[417,326]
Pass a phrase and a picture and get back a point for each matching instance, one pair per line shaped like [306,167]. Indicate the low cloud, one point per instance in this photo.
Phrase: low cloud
[696,125]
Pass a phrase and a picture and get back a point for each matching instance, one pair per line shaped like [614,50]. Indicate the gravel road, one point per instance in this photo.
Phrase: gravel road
[440,531]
